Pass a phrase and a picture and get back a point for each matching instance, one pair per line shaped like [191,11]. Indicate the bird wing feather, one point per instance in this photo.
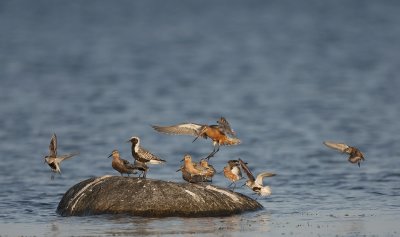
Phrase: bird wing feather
[337,146]
[261,176]
[53,146]
[225,127]
[192,129]
[67,156]
[246,170]
[147,155]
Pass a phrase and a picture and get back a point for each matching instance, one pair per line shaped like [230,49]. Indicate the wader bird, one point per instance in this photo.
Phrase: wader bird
[221,134]
[355,155]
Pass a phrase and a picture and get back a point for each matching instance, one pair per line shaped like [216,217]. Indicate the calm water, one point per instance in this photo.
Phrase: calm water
[286,74]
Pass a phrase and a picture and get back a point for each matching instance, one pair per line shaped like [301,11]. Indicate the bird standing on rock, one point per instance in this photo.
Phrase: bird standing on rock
[143,156]
[232,172]
[193,172]
[121,165]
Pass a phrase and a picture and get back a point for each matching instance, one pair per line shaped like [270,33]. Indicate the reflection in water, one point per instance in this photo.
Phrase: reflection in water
[127,225]
[54,230]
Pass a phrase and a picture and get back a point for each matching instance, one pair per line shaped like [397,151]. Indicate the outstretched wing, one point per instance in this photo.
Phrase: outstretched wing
[247,170]
[337,146]
[226,127]
[53,146]
[260,177]
[180,129]
[67,156]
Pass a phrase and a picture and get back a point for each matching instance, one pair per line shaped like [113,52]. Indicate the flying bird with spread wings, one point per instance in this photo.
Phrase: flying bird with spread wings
[355,155]
[221,134]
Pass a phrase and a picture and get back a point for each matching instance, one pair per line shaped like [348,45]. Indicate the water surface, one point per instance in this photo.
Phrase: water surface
[287,75]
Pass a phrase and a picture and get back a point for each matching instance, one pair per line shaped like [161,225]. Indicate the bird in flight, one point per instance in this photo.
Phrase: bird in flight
[355,155]
[256,184]
[54,160]
[221,134]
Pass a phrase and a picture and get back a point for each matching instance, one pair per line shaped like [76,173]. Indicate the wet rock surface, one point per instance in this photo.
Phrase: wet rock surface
[152,198]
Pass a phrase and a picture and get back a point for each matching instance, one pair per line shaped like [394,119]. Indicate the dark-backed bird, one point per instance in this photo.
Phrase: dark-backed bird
[256,184]
[143,156]
[355,155]
[220,134]
[53,159]
[121,165]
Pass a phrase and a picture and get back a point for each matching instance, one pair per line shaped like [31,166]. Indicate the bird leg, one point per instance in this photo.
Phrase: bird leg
[212,153]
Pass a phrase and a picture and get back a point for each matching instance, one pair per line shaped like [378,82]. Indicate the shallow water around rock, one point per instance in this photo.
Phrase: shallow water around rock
[286,74]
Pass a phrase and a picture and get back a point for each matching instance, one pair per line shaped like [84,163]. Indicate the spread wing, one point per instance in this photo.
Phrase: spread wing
[261,176]
[67,156]
[246,170]
[180,129]
[225,127]
[53,146]
[337,146]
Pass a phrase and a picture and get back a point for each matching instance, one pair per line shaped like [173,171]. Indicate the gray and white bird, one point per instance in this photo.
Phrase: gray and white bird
[355,155]
[256,184]
[143,156]
[54,160]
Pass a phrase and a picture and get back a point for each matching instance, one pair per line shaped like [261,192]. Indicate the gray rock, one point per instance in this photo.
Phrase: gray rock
[152,198]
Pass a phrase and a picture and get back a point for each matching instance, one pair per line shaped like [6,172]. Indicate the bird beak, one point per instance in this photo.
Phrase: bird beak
[179,170]
[243,184]
[109,155]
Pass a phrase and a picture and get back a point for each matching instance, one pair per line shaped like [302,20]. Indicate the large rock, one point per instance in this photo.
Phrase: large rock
[152,198]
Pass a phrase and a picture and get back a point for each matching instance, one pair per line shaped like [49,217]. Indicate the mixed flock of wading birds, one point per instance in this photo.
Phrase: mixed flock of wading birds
[220,134]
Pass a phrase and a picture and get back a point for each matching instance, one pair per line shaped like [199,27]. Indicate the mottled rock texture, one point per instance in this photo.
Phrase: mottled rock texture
[151,198]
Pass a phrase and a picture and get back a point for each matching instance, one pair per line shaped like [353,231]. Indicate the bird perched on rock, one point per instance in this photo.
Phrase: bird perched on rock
[210,171]
[142,167]
[54,160]
[193,172]
[121,165]
[221,134]
[256,184]
[355,154]
[232,172]
[143,156]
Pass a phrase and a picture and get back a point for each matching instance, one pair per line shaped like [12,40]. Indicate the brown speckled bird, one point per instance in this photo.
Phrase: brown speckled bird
[53,159]
[121,165]
[355,155]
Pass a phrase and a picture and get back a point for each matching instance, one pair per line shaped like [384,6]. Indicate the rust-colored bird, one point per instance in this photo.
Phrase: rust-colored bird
[232,172]
[221,134]
[193,172]
[355,155]
[121,165]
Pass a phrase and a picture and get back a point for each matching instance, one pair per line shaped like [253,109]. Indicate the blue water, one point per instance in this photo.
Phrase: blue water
[286,74]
